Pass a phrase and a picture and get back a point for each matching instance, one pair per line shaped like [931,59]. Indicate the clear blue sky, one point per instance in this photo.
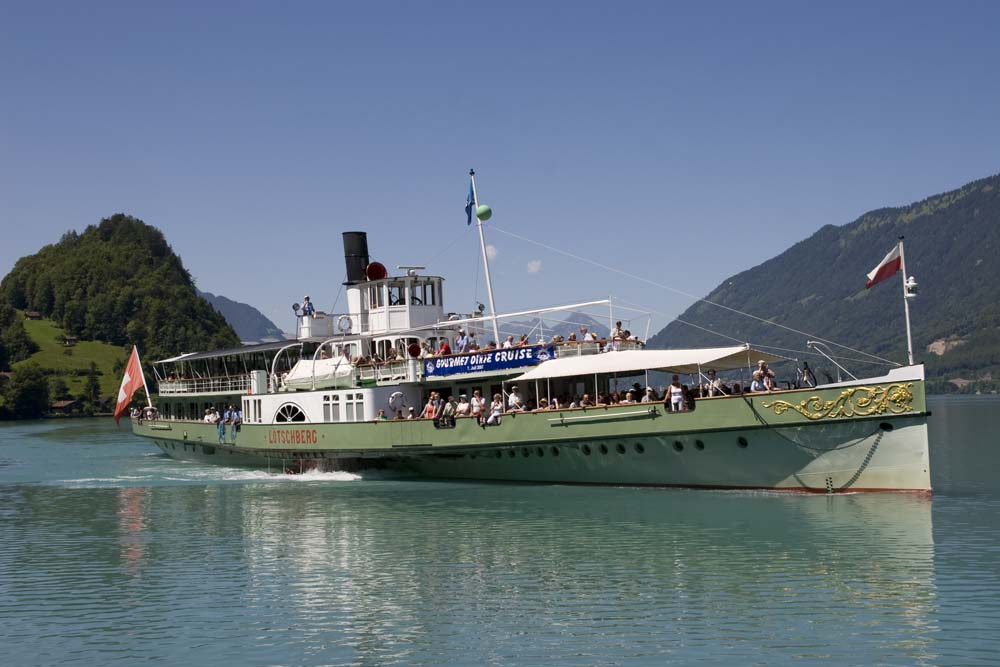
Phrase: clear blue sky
[681,142]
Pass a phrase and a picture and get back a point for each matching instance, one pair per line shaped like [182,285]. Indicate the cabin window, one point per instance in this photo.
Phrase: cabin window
[258,412]
[331,408]
[417,294]
[397,294]
[354,407]
[375,296]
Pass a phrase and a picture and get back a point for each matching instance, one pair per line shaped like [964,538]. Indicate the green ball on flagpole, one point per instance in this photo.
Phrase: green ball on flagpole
[484,212]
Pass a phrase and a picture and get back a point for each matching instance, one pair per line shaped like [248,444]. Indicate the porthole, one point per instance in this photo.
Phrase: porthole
[678,446]
[699,445]
[742,442]
[540,452]
[526,452]
[499,453]
[511,453]
[885,426]
[585,449]
[604,449]
[555,451]
[639,447]
[620,448]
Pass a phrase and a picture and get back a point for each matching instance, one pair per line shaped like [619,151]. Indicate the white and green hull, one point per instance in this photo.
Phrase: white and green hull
[861,437]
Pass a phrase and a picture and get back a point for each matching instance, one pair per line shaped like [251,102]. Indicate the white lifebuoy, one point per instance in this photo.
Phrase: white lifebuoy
[344,324]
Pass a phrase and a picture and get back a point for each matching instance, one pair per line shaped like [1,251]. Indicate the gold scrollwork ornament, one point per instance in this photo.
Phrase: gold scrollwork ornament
[852,402]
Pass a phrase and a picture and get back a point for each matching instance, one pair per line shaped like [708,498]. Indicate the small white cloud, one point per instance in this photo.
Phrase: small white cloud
[491,251]
[534,266]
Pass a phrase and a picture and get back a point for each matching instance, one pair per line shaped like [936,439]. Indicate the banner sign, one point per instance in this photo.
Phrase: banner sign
[491,360]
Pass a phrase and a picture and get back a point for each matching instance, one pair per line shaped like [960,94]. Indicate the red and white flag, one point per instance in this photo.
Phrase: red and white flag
[131,383]
[886,268]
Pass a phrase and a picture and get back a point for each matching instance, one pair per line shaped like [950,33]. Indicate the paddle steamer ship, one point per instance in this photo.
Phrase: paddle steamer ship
[307,404]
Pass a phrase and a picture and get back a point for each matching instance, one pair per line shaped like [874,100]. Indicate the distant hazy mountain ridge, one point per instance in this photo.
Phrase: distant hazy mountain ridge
[251,325]
[818,285]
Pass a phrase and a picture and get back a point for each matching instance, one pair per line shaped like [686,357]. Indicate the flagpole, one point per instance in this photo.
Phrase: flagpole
[149,400]
[486,260]
[906,302]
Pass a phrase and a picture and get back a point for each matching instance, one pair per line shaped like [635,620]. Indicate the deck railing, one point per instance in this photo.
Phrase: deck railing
[234,384]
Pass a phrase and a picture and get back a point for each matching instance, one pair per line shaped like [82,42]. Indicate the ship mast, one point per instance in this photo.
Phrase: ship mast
[486,259]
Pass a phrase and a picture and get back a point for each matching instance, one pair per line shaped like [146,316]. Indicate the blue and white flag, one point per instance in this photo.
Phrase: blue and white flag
[469,204]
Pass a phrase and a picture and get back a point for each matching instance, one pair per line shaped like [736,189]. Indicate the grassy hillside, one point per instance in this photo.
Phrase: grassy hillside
[73,363]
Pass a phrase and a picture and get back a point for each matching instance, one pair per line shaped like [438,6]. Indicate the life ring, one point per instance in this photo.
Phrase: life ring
[396,401]
[344,324]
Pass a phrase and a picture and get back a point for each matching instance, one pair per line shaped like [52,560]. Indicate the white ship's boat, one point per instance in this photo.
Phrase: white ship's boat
[314,403]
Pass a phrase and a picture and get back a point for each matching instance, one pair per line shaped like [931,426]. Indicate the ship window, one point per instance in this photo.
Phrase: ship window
[604,449]
[699,445]
[639,447]
[331,408]
[289,412]
[354,407]
[586,449]
[620,448]
[397,292]
[678,446]
[375,296]
[555,451]
[742,442]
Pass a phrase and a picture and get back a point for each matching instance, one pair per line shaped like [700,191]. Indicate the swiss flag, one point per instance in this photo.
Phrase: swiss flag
[886,268]
[131,383]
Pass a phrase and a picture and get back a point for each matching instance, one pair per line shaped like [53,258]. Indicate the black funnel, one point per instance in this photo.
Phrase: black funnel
[356,256]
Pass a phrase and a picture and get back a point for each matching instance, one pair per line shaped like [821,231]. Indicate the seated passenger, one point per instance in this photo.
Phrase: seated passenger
[585,402]
[514,400]
[509,342]
[571,338]
[649,396]
[629,397]
[543,404]
[806,377]
[496,410]
[380,417]
[308,309]
[617,334]
[587,336]
[524,341]
[410,413]
[758,382]
[425,350]
[557,339]
[492,345]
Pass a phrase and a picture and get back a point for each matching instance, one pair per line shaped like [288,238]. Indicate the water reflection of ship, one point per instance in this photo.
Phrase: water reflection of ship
[394,563]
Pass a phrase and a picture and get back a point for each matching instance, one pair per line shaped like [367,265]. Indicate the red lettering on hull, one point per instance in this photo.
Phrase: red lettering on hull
[292,436]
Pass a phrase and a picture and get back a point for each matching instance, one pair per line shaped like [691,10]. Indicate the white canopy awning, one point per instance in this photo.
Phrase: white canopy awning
[639,361]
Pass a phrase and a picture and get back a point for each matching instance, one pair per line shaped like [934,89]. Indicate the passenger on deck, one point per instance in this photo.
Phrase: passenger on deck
[463,407]
[425,350]
[571,338]
[615,398]
[308,309]
[602,399]
[477,405]
[391,354]
[492,345]
[650,396]
[617,334]
[509,342]
[448,412]
[587,336]
[514,400]
[543,403]
[399,416]
[766,375]
[675,392]
[585,402]
[410,413]
[557,339]
[496,409]
[381,416]
[629,397]
[806,377]
[714,385]
[524,342]
[462,342]
[758,382]
[445,348]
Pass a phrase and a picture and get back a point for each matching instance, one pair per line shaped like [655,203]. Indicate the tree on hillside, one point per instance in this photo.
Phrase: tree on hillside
[58,391]
[118,282]
[92,386]
[27,393]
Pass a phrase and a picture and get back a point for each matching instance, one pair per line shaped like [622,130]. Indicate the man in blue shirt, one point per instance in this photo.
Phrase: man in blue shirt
[307,307]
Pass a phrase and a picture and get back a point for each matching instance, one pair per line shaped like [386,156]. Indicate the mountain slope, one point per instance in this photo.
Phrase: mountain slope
[250,324]
[818,286]
[121,283]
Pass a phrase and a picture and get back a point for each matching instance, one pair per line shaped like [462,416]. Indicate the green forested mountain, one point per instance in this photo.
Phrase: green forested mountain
[818,286]
[118,282]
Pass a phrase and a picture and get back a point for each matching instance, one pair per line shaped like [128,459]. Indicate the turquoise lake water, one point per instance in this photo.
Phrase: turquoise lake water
[111,554]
